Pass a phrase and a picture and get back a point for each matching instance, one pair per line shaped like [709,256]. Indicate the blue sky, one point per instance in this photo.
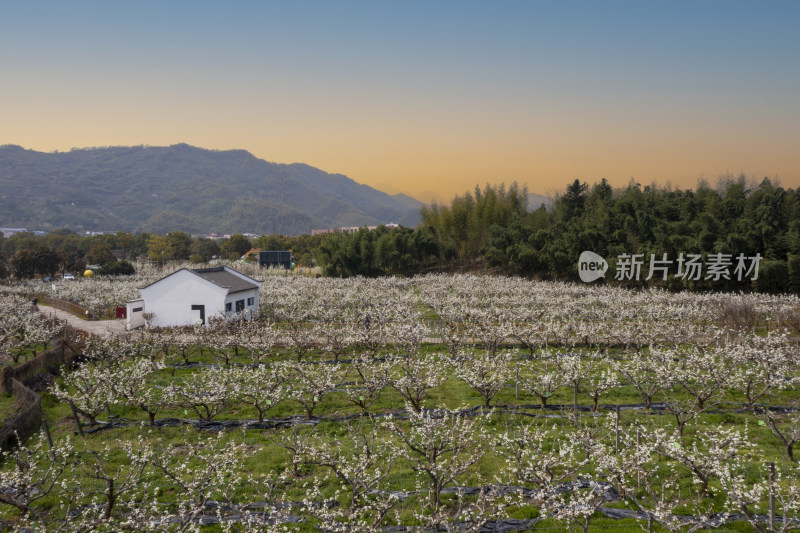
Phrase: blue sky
[424,97]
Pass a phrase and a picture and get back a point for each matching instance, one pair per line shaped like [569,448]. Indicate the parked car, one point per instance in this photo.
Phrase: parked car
[48,278]
[69,277]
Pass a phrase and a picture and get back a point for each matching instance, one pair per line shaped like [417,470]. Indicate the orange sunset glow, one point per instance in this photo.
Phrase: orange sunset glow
[426,100]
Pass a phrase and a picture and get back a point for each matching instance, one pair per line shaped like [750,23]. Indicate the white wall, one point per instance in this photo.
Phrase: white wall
[244,295]
[135,318]
[171,299]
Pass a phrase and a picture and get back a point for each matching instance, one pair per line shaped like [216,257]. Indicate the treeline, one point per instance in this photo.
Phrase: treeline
[26,255]
[448,237]
[492,228]
[734,218]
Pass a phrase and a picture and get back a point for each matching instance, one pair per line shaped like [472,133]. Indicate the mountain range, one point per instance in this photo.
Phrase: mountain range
[184,188]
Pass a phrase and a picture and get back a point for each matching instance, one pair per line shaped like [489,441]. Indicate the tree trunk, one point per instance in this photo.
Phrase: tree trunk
[110,497]
[543,399]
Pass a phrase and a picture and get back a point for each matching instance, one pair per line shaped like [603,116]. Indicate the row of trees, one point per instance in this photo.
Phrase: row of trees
[493,227]
[736,217]
[448,237]
[25,255]
[685,382]
[413,468]
[344,479]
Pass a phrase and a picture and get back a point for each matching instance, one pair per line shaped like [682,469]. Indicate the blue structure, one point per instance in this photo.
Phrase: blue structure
[275,259]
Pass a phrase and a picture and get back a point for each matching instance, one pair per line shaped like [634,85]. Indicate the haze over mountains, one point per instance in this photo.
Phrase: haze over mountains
[184,188]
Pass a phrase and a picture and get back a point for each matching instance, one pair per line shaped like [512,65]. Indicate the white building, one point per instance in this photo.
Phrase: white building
[192,296]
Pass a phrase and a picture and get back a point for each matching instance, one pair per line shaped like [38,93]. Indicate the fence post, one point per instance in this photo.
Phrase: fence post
[771,496]
[575,403]
[638,470]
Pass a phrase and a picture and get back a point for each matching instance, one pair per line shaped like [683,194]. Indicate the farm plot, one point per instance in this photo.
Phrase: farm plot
[444,402]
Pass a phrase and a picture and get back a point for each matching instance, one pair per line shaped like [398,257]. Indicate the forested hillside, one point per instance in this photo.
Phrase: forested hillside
[183,188]
[492,228]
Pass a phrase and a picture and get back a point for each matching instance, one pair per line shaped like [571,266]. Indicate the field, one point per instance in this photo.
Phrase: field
[430,403]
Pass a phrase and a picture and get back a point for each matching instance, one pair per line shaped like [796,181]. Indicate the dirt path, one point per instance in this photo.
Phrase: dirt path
[101,328]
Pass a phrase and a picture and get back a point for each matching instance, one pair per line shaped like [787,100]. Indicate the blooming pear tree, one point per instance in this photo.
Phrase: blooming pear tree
[542,377]
[484,371]
[786,428]
[705,454]
[89,390]
[361,459]
[771,504]
[542,456]
[262,387]
[206,470]
[440,446]
[416,376]
[103,480]
[206,392]
[764,366]
[22,328]
[372,377]
[309,383]
[35,471]
[645,371]
[130,383]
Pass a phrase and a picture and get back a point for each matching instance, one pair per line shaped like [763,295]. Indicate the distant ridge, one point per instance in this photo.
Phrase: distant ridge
[535,201]
[184,188]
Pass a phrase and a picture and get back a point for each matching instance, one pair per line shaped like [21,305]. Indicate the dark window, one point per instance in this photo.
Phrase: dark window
[251,301]
[202,309]
[239,305]
[136,310]
[228,307]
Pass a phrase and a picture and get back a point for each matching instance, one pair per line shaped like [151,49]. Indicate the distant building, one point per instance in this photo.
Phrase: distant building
[192,296]
[8,232]
[275,259]
[349,229]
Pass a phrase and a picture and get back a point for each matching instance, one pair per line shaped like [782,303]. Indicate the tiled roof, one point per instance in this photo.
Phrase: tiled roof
[223,278]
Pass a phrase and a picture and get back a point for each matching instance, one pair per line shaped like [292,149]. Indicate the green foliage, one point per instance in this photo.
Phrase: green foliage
[99,255]
[236,246]
[773,277]
[117,268]
[38,259]
[202,250]
[793,272]
[463,228]
[384,251]
[493,228]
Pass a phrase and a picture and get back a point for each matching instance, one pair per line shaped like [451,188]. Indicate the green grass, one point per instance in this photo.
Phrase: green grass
[269,459]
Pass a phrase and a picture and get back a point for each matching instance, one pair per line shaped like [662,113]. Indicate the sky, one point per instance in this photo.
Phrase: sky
[430,98]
